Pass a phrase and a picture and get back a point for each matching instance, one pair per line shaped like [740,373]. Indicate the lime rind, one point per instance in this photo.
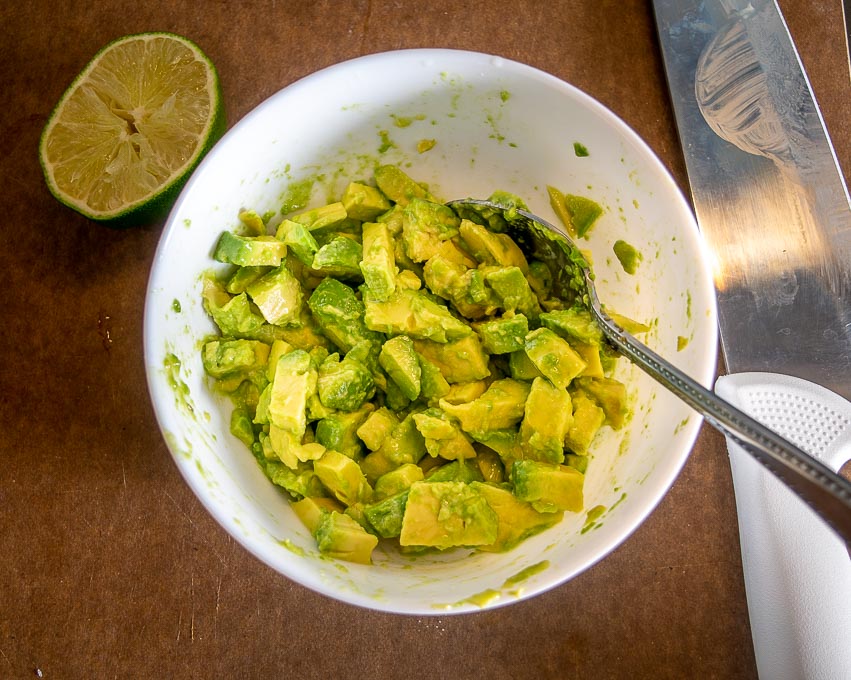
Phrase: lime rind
[156,202]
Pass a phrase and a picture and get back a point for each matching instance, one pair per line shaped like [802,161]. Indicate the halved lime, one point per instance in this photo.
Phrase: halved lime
[131,127]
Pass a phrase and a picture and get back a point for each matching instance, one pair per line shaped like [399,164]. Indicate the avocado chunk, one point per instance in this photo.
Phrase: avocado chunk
[398,187]
[574,325]
[235,317]
[460,361]
[386,515]
[610,394]
[548,487]
[512,288]
[343,478]
[501,407]
[399,359]
[377,427]
[310,510]
[279,296]
[405,444]
[492,248]
[300,482]
[547,417]
[456,471]
[340,257]
[293,383]
[378,265]
[324,217]
[517,519]
[363,202]
[400,479]
[412,313]
[339,431]
[458,285]
[222,358]
[506,443]
[338,535]
[298,240]
[520,366]
[340,315]
[504,335]
[344,385]
[443,438]
[425,225]
[583,213]
[447,514]
[244,277]
[249,251]
[553,357]
[432,383]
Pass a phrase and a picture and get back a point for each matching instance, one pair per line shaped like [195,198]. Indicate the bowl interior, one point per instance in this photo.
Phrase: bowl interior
[496,124]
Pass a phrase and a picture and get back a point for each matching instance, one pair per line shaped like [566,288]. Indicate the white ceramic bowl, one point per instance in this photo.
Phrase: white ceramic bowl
[497,125]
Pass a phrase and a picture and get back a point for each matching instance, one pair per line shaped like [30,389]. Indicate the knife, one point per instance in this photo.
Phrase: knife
[774,210]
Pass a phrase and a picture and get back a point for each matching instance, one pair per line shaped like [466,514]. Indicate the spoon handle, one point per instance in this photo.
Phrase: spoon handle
[828,494]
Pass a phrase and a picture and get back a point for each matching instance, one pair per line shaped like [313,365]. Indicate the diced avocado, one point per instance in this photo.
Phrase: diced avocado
[576,461]
[399,359]
[394,398]
[491,248]
[249,251]
[223,358]
[629,325]
[340,315]
[504,335]
[583,213]
[573,324]
[326,216]
[285,444]
[338,535]
[517,519]
[412,313]
[553,357]
[447,514]
[339,431]
[425,225]
[514,290]
[464,471]
[376,464]
[591,356]
[363,202]
[545,423]
[279,296]
[521,367]
[241,426]
[610,394]
[490,465]
[432,383]
[378,265]
[294,381]
[343,477]
[502,406]
[310,510]
[253,222]
[277,350]
[548,487]
[339,257]
[397,480]
[386,515]
[398,187]
[405,444]
[299,240]
[453,251]
[235,317]
[377,427]
[453,282]
[461,393]
[408,280]
[344,385]
[244,277]
[442,437]
[300,482]
[460,361]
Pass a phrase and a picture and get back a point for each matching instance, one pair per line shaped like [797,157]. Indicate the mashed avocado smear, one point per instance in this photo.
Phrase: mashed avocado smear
[404,374]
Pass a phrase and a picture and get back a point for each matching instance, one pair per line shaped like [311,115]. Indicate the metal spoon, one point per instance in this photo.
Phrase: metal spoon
[828,494]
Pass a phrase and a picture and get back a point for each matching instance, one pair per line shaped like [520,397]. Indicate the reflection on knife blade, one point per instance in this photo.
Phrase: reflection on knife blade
[767,189]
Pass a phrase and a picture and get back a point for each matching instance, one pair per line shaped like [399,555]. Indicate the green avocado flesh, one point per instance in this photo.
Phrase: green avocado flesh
[404,374]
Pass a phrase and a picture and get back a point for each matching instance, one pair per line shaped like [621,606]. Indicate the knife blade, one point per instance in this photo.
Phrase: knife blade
[766,186]
[774,210]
